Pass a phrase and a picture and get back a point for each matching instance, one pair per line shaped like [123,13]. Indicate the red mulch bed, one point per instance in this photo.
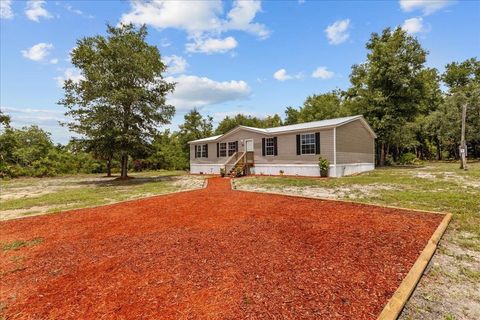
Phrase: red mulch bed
[213,253]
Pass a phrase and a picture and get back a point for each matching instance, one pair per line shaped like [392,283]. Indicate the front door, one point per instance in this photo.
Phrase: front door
[248,145]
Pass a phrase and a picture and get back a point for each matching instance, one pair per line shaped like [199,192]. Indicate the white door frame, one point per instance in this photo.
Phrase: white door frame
[253,146]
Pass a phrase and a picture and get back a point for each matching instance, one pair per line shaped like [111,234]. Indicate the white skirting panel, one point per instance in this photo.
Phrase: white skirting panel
[205,168]
[350,168]
[311,170]
[288,169]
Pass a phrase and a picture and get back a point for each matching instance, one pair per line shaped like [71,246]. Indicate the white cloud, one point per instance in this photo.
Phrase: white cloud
[200,19]
[35,10]
[282,75]
[241,17]
[414,25]
[73,10]
[54,61]
[69,74]
[6,9]
[29,116]
[212,45]
[322,73]
[38,52]
[175,64]
[427,6]
[46,118]
[193,91]
[164,43]
[193,17]
[78,12]
[338,31]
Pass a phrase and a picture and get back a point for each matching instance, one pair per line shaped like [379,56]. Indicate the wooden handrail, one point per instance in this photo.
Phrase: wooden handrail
[229,166]
[240,158]
[230,158]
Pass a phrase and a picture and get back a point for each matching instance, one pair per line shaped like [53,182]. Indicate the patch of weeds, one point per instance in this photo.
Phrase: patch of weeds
[16,244]
[449,317]
[470,274]
[429,297]
[469,244]
[435,271]
[465,257]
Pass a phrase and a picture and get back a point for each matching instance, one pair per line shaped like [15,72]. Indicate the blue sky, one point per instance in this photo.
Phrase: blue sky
[227,57]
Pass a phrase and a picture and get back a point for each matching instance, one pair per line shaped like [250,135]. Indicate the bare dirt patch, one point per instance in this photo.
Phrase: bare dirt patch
[352,191]
[463,181]
[32,211]
[205,254]
[453,276]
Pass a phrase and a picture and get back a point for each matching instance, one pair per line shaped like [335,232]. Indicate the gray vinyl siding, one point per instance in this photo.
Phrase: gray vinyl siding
[355,144]
[287,148]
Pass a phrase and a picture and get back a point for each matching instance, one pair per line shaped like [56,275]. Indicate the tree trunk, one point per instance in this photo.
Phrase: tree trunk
[463,147]
[382,154]
[109,167]
[439,149]
[124,166]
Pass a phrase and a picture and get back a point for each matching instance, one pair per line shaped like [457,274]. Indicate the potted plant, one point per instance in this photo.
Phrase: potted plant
[222,172]
[282,172]
[324,164]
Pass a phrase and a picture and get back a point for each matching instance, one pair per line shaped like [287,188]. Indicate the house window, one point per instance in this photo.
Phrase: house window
[232,148]
[202,151]
[307,143]
[223,149]
[269,146]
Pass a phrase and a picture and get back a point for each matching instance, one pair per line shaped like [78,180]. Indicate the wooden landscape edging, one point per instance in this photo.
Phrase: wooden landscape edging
[395,304]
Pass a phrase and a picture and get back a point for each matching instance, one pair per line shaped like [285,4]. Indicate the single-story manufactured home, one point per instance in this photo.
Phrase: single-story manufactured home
[347,143]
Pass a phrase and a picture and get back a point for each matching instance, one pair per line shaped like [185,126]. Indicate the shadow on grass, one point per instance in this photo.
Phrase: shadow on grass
[131,181]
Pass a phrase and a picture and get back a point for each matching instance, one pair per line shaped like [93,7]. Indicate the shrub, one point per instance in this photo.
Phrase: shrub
[389,160]
[222,172]
[407,158]
[324,165]
[238,172]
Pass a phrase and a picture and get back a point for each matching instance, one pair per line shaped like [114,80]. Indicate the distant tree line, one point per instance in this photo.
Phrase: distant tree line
[120,103]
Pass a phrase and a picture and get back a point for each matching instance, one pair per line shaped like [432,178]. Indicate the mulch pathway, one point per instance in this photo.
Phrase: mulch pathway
[213,253]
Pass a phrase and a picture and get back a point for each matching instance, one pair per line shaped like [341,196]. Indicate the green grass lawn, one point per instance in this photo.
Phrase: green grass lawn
[434,186]
[27,196]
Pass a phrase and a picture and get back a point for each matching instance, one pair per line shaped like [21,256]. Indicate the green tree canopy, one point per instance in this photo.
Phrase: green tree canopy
[389,88]
[4,119]
[228,123]
[122,96]
[194,127]
[317,107]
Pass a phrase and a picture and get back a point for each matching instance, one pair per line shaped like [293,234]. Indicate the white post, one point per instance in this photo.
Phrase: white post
[335,151]
[463,146]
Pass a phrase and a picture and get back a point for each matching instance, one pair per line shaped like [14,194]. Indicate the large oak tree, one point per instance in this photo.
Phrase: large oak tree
[389,89]
[122,94]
